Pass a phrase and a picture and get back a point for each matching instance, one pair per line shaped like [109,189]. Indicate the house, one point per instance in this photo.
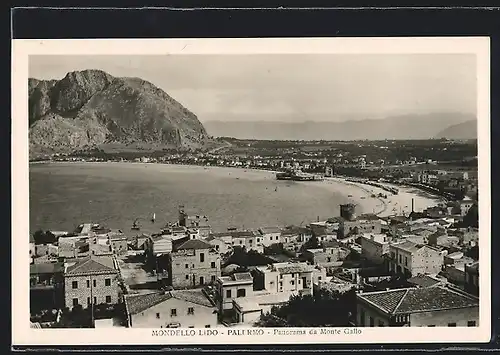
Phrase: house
[296,233]
[472,278]
[221,244]
[231,287]
[193,264]
[463,206]
[374,247]
[438,306]
[362,224]
[248,239]
[46,286]
[270,235]
[66,248]
[411,259]
[139,242]
[174,309]
[285,277]
[247,311]
[327,256]
[91,281]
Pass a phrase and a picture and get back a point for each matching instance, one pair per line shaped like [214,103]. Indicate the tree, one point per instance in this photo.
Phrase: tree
[312,243]
[42,237]
[323,309]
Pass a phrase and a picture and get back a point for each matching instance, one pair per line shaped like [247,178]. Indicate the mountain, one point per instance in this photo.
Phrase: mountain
[396,127]
[464,130]
[89,108]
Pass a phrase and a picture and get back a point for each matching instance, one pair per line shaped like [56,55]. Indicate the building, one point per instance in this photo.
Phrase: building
[270,235]
[374,247]
[232,287]
[285,277]
[472,278]
[222,244]
[174,309]
[296,233]
[46,286]
[417,307]
[193,264]
[248,239]
[410,259]
[425,281]
[91,281]
[327,256]
[119,244]
[355,225]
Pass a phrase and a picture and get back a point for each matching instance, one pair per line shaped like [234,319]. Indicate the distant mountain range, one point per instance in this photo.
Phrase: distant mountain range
[89,108]
[438,125]
[464,130]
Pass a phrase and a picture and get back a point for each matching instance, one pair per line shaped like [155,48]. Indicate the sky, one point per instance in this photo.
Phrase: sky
[293,87]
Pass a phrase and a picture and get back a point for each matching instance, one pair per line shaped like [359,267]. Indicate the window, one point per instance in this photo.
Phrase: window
[293,275]
[107,282]
[217,247]
[362,317]
[471,323]
[187,277]
[88,283]
[187,266]
[281,276]
[190,310]
[202,257]
[173,312]
[241,292]
[88,301]
[75,301]
[95,283]
[406,261]
[95,300]
[452,324]
[74,284]
[258,240]
[328,259]
[158,315]
[207,326]
[108,299]
[250,241]
[319,278]
[212,278]
[212,264]
[202,280]
[400,259]
[292,282]
[228,293]
[241,242]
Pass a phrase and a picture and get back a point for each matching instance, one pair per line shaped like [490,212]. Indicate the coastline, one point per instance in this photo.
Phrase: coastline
[355,192]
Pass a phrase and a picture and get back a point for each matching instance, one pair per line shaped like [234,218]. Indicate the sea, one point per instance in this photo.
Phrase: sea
[114,194]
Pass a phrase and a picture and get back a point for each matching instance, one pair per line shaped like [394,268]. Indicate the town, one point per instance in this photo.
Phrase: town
[352,270]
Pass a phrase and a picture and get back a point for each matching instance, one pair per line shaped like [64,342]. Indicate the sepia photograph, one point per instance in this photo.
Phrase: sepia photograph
[251,191]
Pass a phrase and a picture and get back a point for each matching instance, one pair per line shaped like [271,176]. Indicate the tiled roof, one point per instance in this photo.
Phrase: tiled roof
[92,265]
[194,244]
[415,300]
[139,303]
[424,281]
[46,268]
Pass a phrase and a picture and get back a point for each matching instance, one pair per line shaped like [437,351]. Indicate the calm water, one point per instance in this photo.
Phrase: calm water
[63,195]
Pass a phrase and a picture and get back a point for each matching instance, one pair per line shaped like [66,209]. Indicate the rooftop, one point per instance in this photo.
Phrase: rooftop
[290,268]
[424,281]
[408,246]
[139,303]
[91,265]
[234,234]
[268,230]
[194,244]
[413,300]
[46,268]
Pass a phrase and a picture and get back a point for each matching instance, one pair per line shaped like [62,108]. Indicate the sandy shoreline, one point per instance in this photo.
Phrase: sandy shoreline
[357,193]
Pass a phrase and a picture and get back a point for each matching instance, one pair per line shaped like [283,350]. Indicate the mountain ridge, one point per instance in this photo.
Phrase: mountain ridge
[91,107]
[410,126]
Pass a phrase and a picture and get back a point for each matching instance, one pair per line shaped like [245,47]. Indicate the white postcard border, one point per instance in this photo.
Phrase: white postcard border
[22,334]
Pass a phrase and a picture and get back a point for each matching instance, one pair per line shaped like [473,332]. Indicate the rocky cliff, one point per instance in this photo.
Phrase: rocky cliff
[89,108]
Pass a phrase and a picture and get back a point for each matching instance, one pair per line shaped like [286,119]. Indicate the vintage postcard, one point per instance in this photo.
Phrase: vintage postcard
[251,191]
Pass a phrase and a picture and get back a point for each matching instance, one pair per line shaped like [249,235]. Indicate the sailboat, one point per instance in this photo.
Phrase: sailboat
[135,225]
[153,218]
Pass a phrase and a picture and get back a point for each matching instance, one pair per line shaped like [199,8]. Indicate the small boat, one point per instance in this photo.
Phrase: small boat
[276,188]
[135,226]
[153,218]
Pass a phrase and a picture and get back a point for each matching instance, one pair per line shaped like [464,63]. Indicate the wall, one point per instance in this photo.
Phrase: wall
[189,277]
[442,318]
[364,313]
[362,226]
[274,282]
[202,316]
[249,317]
[100,291]
[227,302]
[373,251]
[221,246]
[270,238]
[426,261]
